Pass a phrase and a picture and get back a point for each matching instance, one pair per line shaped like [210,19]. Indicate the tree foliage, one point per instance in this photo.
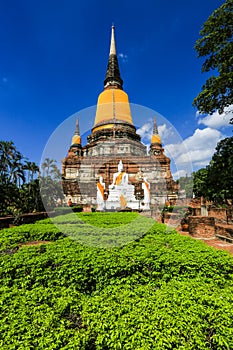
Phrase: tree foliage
[220,171]
[22,188]
[19,187]
[216,45]
[200,187]
[50,184]
[186,184]
[11,162]
[215,182]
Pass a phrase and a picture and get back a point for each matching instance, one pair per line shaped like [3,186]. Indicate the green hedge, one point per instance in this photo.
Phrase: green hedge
[62,210]
[12,237]
[162,291]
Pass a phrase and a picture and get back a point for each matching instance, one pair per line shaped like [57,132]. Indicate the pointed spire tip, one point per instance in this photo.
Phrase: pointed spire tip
[77,127]
[155,129]
[113,74]
[113,44]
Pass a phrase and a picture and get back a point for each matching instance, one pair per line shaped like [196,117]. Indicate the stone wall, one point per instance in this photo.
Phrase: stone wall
[218,213]
[224,232]
[172,219]
[7,221]
[80,175]
[196,211]
[202,226]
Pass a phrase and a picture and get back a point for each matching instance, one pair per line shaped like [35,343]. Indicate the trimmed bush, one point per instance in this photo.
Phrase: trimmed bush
[162,291]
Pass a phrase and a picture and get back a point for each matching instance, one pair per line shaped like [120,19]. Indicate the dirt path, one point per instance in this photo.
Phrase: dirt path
[213,242]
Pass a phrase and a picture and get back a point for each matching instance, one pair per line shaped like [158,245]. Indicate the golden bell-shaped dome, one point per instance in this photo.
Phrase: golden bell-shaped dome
[155,139]
[76,139]
[113,106]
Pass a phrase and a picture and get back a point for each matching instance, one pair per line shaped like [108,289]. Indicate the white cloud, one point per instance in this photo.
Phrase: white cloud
[187,155]
[146,131]
[196,149]
[123,57]
[165,132]
[179,173]
[217,120]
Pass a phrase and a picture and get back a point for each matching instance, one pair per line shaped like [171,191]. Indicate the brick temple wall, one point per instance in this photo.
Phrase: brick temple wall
[202,226]
[222,231]
[80,176]
[218,213]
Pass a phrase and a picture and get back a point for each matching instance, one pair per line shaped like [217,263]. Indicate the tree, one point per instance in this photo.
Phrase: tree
[50,184]
[220,171]
[215,182]
[10,175]
[11,164]
[216,45]
[31,168]
[17,175]
[15,193]
[200,183]
[186,184]
[47,166]
[30,198]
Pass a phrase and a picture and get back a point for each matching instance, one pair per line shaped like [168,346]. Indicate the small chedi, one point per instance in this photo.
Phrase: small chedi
[114,170]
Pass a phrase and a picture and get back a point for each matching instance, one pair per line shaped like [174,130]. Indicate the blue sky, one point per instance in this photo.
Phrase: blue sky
[54,57]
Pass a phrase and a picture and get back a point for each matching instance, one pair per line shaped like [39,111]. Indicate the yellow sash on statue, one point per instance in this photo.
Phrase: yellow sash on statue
[101,188]
[123,201]
[147,186]
[119,178]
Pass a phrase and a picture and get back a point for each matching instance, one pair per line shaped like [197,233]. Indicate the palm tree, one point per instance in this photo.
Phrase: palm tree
[7,154]
[55,173]
[31,168]
[11,164]
[50,183]
[47,165]
[17,173]
[34,170]
[11,175]
[13,171]
[16,169]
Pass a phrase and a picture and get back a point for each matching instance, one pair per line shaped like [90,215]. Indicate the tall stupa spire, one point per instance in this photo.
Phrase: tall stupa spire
[113,104]
[113,77]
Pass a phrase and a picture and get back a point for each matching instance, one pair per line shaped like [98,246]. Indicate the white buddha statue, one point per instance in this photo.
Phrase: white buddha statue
[100,193]
[119,178]
[146,188]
